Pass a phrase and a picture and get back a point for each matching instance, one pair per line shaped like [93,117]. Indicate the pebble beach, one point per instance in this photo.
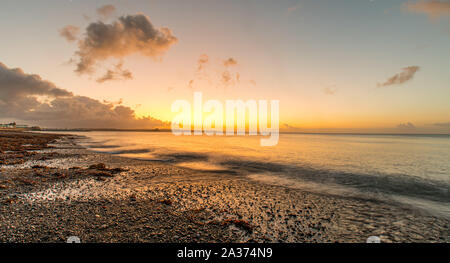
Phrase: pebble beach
[51,188]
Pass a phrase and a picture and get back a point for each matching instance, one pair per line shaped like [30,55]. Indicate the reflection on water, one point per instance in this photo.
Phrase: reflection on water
[413,169]
[203,166]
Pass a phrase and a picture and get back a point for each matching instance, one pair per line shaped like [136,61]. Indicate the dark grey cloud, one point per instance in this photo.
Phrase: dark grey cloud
[106,11]
[400,78]
[131,34]
[117,73]
[70,33]
[14,83]
[29,98]
[407,125]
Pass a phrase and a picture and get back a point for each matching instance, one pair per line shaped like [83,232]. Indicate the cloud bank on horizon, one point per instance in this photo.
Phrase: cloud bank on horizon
[407,125]
[28,97]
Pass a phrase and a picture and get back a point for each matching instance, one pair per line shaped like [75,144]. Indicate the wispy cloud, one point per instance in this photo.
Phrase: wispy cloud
[106,11]
[191,84]
[293,8]
[400,78]
[223,74]
[70,33]
[117,73]
[230,62]
[433,8]
[330,90]
[202,61]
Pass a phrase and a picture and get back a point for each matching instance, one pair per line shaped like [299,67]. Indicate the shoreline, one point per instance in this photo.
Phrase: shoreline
[50,190]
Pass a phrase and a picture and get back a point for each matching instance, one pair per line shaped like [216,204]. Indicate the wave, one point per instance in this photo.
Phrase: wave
[393,184]
[99,146]
[182,157]
[133,151]
[398,184]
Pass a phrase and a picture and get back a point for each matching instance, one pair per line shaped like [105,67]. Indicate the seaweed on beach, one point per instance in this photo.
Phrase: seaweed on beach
[101,170]
[239,223]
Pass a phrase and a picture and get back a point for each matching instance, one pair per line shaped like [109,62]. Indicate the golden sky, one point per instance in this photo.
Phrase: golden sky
[358,66]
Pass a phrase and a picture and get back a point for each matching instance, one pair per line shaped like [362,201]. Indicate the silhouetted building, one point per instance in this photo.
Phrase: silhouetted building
[11,125]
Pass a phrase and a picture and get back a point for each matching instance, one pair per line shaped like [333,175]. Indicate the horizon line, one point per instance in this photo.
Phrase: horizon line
[281,132]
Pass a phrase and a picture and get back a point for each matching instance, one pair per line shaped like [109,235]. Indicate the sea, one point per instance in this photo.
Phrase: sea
[411,170]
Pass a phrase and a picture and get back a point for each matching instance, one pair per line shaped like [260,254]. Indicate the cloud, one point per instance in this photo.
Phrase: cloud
[14,84]
[131,34]
[288,127]
[191,84]
[202,61]
[398,79]
[118,73]
[226,77]
[330,91]
[407,125]
[293,8]
[223,74]
[434,8]
[27,97]
[70,33]
[119,102]
[230,62]
[106,11]
[443,124]
[229,78]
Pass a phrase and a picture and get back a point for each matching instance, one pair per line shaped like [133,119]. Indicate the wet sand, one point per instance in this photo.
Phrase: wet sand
[50,189]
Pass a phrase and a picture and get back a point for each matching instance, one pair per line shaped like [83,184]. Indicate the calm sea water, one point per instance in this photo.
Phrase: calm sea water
[414,170]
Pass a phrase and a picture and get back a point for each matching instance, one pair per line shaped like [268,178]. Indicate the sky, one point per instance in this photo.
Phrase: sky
[335,66]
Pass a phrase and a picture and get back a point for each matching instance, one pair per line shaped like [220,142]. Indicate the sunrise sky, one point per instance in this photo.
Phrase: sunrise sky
[359,65]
